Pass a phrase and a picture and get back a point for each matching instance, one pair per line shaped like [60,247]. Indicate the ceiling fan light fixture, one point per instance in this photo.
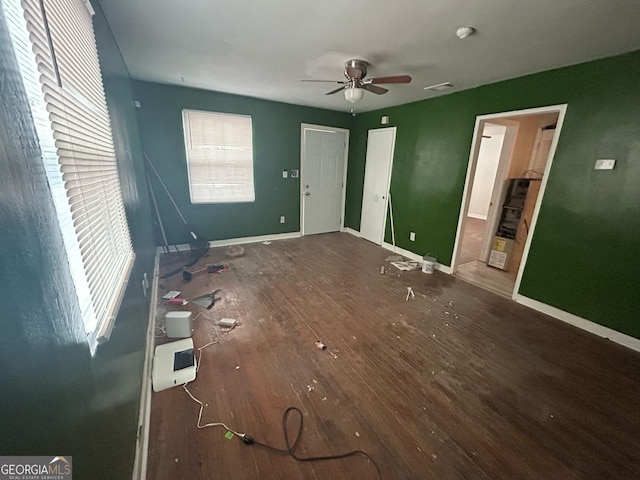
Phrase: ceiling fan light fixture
[353,94]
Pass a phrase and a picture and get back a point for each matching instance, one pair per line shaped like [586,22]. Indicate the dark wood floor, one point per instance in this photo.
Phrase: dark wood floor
[456,383]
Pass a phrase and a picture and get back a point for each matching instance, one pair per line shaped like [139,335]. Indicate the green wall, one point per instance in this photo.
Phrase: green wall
[583,257]
[276,143]
[56,398]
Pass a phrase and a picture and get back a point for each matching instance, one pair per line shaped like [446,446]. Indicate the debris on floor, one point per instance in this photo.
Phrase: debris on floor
[171,294]
[234,251]
[237,367]
[266,242]
[208,300]
[333,354]
[187,275]
[177,301]
[381,269]
[320,345]
[227,322]
[357,434]
[310,388]
[409,294]
[406,266]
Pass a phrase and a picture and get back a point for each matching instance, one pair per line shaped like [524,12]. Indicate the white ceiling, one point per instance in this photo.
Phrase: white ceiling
[263,48]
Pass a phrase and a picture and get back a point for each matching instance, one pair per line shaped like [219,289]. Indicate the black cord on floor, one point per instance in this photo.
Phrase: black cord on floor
[290,450]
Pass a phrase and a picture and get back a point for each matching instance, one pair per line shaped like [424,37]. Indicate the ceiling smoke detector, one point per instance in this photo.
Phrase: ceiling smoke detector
[464,32]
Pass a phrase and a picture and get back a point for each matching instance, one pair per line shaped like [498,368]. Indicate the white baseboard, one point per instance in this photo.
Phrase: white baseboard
[144,414]
[476,215]
[582,323]
[237,241]
[351,231]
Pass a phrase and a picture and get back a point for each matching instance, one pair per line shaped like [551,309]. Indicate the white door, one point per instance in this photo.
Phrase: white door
[323,163]
[380,146]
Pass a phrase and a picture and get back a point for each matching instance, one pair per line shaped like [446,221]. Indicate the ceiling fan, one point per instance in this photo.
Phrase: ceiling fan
[355,85]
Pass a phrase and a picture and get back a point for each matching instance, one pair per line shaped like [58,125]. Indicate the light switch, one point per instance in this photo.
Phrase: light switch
[285,174]
[385,120]
[604,164]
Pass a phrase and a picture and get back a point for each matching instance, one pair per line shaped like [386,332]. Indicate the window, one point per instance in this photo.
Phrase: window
[55,47]
[219,150]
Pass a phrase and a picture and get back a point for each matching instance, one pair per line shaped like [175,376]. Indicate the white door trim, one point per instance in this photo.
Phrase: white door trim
[497,197]
[473,156]
[322,128]
[388,187]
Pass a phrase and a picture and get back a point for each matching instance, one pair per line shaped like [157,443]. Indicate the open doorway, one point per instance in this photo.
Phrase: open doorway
[509,163]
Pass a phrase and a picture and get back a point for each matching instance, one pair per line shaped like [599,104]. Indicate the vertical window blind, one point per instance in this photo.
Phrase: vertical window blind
[66,60]
[219,150]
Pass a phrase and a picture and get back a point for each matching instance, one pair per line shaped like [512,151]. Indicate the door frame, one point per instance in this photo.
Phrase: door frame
[323,128]
[388,187]
[499,186]
[561,109]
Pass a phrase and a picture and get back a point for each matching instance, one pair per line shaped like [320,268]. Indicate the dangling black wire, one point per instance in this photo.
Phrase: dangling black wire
[290,450]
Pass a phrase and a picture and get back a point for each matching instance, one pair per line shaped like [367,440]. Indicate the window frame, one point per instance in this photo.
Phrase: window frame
[187,148]
[99,298]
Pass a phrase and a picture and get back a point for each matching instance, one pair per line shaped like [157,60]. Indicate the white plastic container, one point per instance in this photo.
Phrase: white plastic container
[179,324]
[428,264]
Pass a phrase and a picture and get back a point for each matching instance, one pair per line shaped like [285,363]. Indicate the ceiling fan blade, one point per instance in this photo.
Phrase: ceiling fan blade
[337,89]
[374,88]
[324,81]
[393,79]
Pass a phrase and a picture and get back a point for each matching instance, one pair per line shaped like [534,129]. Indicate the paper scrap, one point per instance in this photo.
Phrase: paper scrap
[171,294]
[406,266]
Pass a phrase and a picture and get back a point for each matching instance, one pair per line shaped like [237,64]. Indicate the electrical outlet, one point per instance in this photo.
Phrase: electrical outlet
[605,164]
[281,218]
[295,173]
[412,236]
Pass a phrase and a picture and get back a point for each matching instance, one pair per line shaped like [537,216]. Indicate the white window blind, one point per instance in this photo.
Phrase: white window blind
[93,221]
[219,151]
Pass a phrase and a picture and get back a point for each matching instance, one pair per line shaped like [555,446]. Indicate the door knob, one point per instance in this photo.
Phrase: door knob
[307,194]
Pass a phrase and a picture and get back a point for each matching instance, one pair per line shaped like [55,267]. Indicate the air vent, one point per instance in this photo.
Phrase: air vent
[440,86]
